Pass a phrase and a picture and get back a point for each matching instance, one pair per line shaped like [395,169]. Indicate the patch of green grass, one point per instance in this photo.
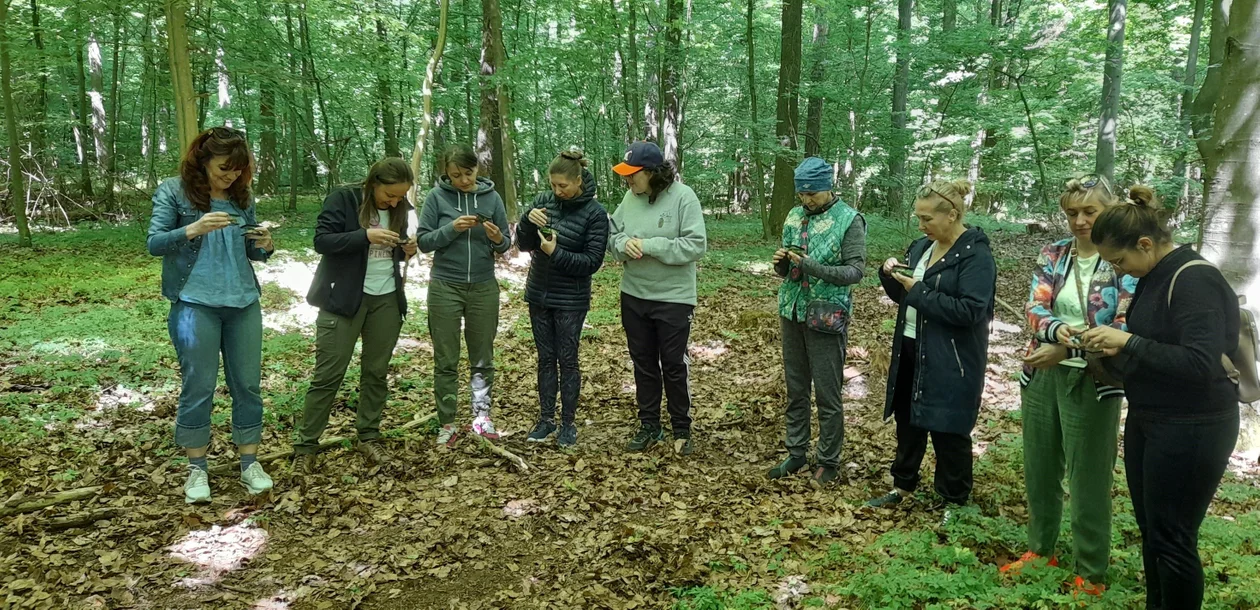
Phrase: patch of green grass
[707,598]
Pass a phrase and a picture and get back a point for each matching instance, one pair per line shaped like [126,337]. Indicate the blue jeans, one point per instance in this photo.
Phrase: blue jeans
[200,334]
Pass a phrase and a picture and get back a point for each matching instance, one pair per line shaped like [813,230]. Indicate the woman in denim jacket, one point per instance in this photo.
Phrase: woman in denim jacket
[204,229]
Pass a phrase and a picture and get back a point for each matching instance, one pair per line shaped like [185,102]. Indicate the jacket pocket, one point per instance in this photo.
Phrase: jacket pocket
[961,372]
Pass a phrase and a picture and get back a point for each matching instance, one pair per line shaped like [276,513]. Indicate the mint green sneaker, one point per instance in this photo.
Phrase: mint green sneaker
[197,487]
[255,479]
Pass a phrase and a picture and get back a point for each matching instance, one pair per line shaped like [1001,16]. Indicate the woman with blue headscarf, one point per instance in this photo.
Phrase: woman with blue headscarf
[822,256]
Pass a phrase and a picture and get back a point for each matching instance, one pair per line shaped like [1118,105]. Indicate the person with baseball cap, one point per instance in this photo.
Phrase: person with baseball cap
[658,233]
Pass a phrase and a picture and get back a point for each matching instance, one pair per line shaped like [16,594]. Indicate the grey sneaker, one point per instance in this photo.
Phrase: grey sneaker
[567,436]
[197,487]
[255,479]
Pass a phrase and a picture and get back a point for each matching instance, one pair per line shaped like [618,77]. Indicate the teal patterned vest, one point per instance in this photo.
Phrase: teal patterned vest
[821,236]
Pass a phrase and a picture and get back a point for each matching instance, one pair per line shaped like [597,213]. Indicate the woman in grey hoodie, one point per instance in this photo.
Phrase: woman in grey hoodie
[460,225]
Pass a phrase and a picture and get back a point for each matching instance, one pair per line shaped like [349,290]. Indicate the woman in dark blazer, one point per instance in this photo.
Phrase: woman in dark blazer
[945,290]
[358,287]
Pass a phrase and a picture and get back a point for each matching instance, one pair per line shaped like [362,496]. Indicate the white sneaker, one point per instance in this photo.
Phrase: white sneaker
[197,487]
[482,426]
[255,479]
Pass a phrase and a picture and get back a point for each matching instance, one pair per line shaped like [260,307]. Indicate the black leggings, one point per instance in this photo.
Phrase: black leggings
[1174,468]
[557,333]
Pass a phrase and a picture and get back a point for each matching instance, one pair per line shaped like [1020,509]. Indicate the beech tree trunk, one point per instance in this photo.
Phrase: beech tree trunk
[17,184]
[787,115]
[1187,101]
[426,112]
[181,72]
[898,150]
[754,131]
[1113,69]
[671,83]
[814,113]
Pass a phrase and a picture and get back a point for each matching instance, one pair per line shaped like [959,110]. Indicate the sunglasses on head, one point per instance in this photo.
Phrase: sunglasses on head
[926,191]
[1090,181]
[227,132]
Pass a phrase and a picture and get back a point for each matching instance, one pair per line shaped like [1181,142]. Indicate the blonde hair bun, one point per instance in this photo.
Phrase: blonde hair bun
[1144,197]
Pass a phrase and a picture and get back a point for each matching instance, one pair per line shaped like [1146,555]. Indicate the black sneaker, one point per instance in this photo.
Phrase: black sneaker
[891,498]
[824,476]
[645,438]
[542,430]
[683,444]
[567,436]
[787,467]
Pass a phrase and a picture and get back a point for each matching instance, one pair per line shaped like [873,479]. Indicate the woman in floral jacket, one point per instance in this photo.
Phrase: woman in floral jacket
[823,255]
[1071,412]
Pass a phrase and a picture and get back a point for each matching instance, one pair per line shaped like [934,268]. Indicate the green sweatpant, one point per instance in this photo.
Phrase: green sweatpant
[475,308]
[379,322]
[1068,429]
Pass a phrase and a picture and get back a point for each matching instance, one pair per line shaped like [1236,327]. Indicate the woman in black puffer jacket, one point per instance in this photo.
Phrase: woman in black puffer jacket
[566,232]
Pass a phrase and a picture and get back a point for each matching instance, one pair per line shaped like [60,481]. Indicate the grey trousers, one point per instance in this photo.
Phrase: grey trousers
[817,359]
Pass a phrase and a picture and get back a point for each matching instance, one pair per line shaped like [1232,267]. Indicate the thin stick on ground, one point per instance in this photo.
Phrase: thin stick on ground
[323,446]
[1014,312]
[514,459]
[62,497]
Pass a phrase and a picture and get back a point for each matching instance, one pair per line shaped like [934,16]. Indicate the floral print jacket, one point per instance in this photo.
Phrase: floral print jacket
[1107,301]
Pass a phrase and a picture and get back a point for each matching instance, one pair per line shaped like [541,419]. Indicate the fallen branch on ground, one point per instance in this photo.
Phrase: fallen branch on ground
[327,444]
[62,497]
[511,457]
[1014,312]
[81,519]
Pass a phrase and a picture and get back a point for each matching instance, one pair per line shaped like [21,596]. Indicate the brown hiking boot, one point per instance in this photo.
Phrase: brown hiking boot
[374,453]
[304,464]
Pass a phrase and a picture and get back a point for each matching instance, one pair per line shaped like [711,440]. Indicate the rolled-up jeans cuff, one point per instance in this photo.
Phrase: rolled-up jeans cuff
[193,438]
[247,435]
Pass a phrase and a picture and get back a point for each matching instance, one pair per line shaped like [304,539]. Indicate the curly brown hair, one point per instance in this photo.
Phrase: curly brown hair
[211,143]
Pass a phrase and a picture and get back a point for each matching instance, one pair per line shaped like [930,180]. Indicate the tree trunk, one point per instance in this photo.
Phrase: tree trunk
[814,113]
[1105,158]
[787,115]
[96,96]
[426,116]
[328,155]
[267,165]
[17,188]
[949,16]
[203,85]
[386,95]
[181,72]
[632,74]
[754,132]
[83,131]
[901,87]
[1233,165]
[492,133]
[671,83]
[149,125]
[117,72]
[39,130]
[1187,101]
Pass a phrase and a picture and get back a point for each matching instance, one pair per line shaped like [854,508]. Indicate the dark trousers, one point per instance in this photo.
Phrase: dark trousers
[657,334]
[1173,468]
[556,335]
[953,451]
[813,360]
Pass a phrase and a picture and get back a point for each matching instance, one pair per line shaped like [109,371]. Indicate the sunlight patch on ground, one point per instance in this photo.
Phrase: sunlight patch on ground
[707,351]
[758,267]
[109,401]
[855,387]
[217,551]
[279,601]
[998,327]
[86,348]
[294,275]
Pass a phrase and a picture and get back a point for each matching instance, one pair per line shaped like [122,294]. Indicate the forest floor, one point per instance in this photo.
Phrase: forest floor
[89,384]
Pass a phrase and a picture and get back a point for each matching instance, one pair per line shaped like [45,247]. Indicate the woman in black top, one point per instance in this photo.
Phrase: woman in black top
[565,232]
[1183,407]
[358,288]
